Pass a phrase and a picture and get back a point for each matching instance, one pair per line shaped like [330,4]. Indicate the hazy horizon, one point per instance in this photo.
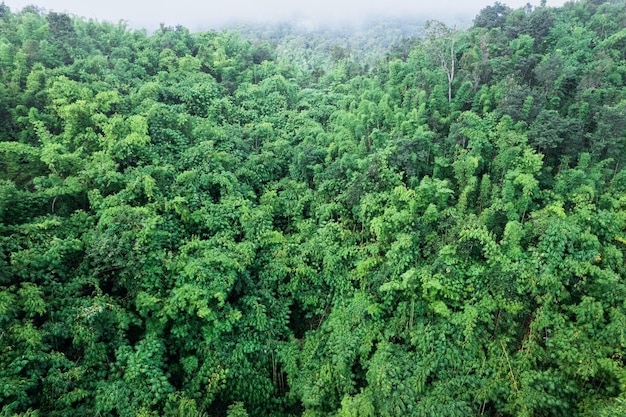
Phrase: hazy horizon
[195,15]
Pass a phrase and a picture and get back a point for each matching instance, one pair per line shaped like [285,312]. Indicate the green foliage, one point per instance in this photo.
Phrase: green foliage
[278,222]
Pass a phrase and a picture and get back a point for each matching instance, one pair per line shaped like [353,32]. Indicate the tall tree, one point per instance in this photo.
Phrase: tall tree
[441,40]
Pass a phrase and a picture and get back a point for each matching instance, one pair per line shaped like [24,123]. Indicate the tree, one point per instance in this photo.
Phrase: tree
[63,35]
[441,41]
[493,16]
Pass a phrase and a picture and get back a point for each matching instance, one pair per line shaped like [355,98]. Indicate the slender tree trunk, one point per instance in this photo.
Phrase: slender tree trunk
[449,66]
[452,62]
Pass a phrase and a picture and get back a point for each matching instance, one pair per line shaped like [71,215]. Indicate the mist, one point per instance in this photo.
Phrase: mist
[213,14]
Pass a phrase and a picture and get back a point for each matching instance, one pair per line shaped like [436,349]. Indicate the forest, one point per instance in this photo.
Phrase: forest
[266,223]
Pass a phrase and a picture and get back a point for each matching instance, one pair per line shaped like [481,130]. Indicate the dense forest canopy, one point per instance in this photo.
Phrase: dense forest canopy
[226,224]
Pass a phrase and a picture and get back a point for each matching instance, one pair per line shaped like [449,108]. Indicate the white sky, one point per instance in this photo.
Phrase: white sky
[196,14]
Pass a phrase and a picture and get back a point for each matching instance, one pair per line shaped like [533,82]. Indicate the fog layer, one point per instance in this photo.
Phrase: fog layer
[212,14]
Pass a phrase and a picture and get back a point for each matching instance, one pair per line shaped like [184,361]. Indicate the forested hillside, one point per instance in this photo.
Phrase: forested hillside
[195,224]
